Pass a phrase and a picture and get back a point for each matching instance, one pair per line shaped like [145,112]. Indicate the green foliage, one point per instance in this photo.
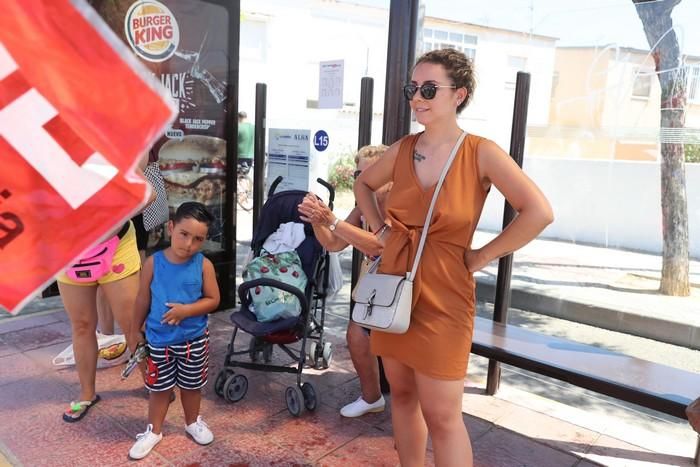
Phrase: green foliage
[692,153]
[340,174]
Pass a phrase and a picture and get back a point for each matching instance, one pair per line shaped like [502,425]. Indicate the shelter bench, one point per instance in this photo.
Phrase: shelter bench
[648,384]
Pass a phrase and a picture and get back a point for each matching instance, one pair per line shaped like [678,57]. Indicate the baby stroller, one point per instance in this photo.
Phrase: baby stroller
[281,208]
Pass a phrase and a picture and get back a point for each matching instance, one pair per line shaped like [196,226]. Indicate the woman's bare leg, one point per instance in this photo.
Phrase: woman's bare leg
[105,318]
[121,296]
[441,404]
[410,431]
[364,361]
[80,304]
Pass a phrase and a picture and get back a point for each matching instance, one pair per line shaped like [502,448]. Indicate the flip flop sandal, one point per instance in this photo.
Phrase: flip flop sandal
[78,410]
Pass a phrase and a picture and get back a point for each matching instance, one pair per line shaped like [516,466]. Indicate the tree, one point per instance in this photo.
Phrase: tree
[670,70]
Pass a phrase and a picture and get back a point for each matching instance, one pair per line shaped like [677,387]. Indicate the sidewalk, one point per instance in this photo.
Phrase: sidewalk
[515,429]
[524,425]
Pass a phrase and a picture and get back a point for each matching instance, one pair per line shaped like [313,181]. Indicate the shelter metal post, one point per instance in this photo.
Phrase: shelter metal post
[505,264]
[401,53]
[259,151]
[364,137]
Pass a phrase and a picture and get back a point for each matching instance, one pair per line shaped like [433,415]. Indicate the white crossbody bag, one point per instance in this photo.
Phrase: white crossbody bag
[383,301]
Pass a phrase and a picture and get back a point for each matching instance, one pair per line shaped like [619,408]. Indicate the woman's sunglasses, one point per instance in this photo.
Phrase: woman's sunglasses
[356,174]
[427,90]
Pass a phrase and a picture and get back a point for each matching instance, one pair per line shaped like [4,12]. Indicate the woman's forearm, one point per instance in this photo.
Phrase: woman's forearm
[327,239]
[361,239]
[523,229]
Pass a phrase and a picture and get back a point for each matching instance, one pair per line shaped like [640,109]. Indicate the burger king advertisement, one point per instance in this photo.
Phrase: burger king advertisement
[185,44]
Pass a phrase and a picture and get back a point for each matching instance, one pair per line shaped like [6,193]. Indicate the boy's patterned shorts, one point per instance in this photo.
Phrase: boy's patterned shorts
[183,364]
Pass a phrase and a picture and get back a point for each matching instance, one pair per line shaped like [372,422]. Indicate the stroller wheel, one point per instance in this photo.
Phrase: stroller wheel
[235,388]
[221,381]
[267,352]
[311,397]
[295,400]
[312,356]
[253,350]
[327,354]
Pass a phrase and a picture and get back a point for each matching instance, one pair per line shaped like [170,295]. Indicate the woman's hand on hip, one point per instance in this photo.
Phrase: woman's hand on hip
[475,260]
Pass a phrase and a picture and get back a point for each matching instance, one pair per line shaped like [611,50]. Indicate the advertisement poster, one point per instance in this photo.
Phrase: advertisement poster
[185,45]
[289,158]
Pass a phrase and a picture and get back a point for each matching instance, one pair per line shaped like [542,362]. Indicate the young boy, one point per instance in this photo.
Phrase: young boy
[178,289]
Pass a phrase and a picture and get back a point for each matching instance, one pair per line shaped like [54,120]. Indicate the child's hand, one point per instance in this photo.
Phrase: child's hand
[177,313]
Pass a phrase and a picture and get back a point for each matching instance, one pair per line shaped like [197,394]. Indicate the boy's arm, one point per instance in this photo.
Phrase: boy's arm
[208,303]
[143,299]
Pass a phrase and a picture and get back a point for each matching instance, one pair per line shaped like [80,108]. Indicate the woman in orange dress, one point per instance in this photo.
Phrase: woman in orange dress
[427,365]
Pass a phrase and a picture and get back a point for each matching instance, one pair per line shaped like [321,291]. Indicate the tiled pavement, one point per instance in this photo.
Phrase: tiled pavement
[258,430]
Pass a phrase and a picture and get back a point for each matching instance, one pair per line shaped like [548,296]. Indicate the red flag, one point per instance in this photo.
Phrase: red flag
[76,112]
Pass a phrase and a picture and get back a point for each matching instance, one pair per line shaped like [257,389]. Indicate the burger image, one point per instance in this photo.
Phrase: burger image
[177,166]
[194,169]
[207,191]
[216,166]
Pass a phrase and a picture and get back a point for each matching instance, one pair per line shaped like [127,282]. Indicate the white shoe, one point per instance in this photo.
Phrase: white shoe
[200,432]
[360,407]
[145,442]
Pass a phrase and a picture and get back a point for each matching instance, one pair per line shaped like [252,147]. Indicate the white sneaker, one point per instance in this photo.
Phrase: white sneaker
[360,407]
[200,432]
[144,443]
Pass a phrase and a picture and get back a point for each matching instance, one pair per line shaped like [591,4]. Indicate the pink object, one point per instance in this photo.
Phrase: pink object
[96,262]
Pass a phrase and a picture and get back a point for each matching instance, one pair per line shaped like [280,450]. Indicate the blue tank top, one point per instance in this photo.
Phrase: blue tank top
[174,283]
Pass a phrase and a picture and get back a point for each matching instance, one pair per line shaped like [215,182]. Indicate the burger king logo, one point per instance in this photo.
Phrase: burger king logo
[151,30]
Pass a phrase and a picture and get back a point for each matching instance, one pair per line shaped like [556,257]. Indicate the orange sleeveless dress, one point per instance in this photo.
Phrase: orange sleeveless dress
[438,340]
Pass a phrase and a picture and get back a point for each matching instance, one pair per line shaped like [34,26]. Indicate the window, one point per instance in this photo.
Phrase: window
[642,83]
[434,39]
[253,44]
[515,64]
[555,83]
[694,83]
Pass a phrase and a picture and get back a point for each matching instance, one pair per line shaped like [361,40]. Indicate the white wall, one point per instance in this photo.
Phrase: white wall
[298,35]
[607,203]
[491,111]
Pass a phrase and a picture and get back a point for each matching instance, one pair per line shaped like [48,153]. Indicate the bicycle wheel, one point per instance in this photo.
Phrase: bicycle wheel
[244,192]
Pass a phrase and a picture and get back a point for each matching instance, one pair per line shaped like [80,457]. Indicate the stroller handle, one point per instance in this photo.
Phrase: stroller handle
[331,191]
[328,186]
[246,286]
[273,187]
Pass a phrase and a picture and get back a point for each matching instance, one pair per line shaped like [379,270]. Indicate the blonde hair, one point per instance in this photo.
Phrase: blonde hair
[369,153]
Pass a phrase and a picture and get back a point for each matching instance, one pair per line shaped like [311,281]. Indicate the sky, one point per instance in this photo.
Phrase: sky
[574,22]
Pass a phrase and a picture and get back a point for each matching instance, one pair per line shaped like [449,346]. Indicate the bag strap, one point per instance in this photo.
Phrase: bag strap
[429,216]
